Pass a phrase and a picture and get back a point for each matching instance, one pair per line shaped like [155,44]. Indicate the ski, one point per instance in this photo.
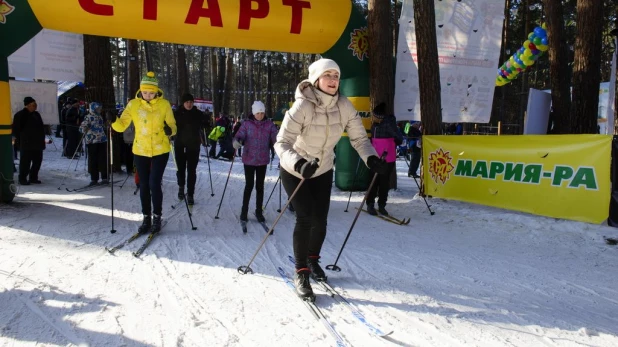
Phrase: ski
[90,187]
[611,241]
[151,236]
[315,310]
[263,224]
[124,243]
[389,218]
[353,310]
[243,225]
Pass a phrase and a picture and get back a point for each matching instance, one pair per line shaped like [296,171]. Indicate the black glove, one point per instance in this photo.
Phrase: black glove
[305,168]
[167,130]
[377,165]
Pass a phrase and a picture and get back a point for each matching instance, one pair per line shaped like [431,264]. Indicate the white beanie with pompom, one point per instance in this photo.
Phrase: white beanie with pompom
[258,107]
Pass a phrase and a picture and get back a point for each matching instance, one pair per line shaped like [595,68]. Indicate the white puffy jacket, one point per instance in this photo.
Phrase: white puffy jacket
[314,125]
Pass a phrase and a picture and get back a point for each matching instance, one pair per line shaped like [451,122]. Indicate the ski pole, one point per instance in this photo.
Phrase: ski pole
[419,189]
[225,187]
[212,192]
[69,166]
[125,180]
[173,149]
[244,269]
[334,266]
[353,184]
[271,194]
[111,158]
[279,210]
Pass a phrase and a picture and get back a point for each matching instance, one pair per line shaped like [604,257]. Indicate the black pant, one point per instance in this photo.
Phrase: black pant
[260,174]
[187,158]
[150,172]
[73,140]
[213,148]
[128,157]
[381,186]
[30,164]
[97,160]
[311,203]
[415,160]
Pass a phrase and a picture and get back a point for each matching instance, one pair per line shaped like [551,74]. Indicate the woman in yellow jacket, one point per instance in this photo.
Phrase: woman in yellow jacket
[154,123]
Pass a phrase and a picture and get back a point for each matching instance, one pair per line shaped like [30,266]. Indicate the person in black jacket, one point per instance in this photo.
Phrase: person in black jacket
[385,137]
[191,123]
[72,123]
[29,131]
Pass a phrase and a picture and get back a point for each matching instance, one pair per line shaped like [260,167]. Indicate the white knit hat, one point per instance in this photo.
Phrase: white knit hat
[258,107]
[319,67]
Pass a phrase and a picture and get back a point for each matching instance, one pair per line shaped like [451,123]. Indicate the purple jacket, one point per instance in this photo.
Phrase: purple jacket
[257,137]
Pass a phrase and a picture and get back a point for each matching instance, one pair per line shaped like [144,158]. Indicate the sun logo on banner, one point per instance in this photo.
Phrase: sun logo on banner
[5,9]
[359,43]
[440,165]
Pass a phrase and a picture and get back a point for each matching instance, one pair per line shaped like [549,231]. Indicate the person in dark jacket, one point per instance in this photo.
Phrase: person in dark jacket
[385,137]
[29,131]
[257,135]
[414,142]
[72,119]
[191,123]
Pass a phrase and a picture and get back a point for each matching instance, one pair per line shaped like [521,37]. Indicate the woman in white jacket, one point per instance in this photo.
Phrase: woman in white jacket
[310,131]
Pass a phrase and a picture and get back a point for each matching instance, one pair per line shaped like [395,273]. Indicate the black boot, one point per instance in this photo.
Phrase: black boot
[371,209]
[301,282]
[243,213]
[260,216]
[382,210]
[146,225]
[156,223]
[313,263]
[190,200]
[181,193]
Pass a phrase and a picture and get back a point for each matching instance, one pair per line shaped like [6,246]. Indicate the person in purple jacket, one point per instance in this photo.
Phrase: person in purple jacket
[257,135]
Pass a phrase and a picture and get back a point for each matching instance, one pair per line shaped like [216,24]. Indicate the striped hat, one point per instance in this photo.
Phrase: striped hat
[149,83]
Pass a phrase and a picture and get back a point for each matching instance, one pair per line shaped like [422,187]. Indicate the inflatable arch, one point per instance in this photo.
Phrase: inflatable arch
[329,27]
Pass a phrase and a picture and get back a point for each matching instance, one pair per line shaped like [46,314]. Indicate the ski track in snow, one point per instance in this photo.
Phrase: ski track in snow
[467,276]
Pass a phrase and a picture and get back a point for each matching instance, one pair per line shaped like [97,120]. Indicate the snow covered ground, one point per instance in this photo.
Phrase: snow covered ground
[467,276]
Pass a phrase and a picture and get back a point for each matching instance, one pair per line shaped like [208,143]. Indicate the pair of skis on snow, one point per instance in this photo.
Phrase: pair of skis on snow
[321,317]
[134,237]
[243,225]
[91,187]
[389,218]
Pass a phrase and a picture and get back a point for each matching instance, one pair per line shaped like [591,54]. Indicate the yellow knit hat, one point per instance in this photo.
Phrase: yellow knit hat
[149,83]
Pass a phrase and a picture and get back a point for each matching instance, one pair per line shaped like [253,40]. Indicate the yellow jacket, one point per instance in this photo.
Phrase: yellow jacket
[148,117]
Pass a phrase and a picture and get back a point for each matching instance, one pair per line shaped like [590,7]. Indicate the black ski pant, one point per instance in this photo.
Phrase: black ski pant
[150,171]
[30,164]
[187,158]
[259,173]
[311,203]
[380,187]
[128,157]
[213,148]
[97,160]
[415,160]
[73,139]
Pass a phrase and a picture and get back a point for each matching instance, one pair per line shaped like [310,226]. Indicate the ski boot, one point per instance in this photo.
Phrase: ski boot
[156,223]
[302,285]
[382,210]
[317,272]
[260,216]
[371,209]
[181,193]
[146,225]
[190,200]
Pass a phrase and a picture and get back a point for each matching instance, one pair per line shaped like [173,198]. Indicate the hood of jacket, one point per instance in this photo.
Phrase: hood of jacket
[307,91]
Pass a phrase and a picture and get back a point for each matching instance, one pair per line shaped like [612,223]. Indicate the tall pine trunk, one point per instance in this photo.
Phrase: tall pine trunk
[201,72]
[559,73]
[428,69]
[134,65]
[98,71]
[183,77]
[381,87]
[220,79]
[229,81]
[586,67]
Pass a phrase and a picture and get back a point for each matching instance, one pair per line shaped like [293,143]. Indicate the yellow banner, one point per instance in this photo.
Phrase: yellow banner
[562,176]
[303,26]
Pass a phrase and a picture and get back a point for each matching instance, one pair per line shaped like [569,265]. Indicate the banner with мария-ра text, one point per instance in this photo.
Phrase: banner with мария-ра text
[562,176]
